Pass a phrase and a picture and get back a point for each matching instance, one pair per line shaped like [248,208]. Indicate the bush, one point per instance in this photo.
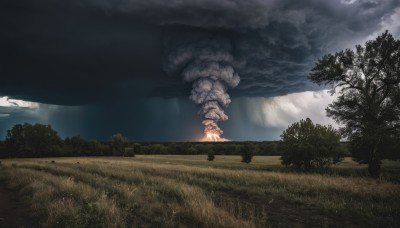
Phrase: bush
[129,152]
[211,156]
[247,152]
[307,145]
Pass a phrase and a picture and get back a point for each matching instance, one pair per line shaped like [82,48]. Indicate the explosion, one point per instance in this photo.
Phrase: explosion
[208,64]
[212,137]
[212,132]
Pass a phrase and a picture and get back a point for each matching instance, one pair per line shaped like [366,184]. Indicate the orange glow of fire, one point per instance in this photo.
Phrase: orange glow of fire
[213,137]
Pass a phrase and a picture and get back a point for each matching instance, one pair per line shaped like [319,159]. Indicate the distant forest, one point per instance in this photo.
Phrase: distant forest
[27,140]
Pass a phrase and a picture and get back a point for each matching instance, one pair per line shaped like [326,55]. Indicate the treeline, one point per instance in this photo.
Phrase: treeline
[219,148]
[38,140]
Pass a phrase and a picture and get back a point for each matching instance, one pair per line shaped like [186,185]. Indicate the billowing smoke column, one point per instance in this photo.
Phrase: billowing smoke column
[208,64]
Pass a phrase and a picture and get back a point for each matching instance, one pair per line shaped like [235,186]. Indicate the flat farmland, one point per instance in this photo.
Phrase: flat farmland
[189,191]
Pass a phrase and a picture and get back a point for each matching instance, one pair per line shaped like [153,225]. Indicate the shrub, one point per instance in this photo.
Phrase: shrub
[211,156]
[247,152]
[129,152]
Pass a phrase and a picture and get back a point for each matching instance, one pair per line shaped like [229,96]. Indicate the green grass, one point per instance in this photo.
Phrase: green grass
[189,191]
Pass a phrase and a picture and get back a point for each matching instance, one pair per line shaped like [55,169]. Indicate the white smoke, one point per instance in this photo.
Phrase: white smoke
[209,65]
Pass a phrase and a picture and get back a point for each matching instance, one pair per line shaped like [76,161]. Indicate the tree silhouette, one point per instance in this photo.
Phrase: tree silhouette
[27,140]
[367,81]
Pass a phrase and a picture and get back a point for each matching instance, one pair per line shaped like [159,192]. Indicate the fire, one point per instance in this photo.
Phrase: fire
[212,131]
[213,137]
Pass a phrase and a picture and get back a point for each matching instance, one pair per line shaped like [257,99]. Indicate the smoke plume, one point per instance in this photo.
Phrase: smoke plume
[206,62]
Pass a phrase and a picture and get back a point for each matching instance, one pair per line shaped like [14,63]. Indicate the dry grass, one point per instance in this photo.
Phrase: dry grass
[188,191]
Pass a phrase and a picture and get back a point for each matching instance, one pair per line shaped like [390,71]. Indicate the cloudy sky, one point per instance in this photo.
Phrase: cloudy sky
[99,67]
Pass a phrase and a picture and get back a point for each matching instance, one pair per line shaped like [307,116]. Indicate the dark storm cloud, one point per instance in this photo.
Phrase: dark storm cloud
[140,119]
[79,52]
[67,55]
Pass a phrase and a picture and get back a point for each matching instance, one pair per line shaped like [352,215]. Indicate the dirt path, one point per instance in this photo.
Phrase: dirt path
[13,212]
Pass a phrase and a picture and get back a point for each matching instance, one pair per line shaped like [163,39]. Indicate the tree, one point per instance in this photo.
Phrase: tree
[307,145]
[247,151]
[76,145]
[367,81]
[117,144]
[27,140]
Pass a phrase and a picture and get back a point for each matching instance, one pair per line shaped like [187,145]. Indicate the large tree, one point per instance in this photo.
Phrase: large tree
[27,140]
[367,82]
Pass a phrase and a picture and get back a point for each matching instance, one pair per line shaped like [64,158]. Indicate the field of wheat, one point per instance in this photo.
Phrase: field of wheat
[189,191]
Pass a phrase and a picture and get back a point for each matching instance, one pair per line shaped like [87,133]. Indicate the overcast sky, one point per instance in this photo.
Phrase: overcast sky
[99,67]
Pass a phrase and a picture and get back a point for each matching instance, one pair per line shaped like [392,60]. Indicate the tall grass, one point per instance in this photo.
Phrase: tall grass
[187,191]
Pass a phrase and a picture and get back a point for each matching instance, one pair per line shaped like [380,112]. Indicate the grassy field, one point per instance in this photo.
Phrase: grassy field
[189,191]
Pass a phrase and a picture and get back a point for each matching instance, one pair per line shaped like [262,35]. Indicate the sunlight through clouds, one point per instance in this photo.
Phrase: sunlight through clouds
[281,111]
[7,102]
[63,118]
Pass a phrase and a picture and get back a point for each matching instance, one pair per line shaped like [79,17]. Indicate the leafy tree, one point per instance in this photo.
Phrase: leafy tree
[307,145]
[27,140]
[367,81]
[117,144]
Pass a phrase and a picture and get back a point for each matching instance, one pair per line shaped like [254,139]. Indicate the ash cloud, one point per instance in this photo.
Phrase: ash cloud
[206,61]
